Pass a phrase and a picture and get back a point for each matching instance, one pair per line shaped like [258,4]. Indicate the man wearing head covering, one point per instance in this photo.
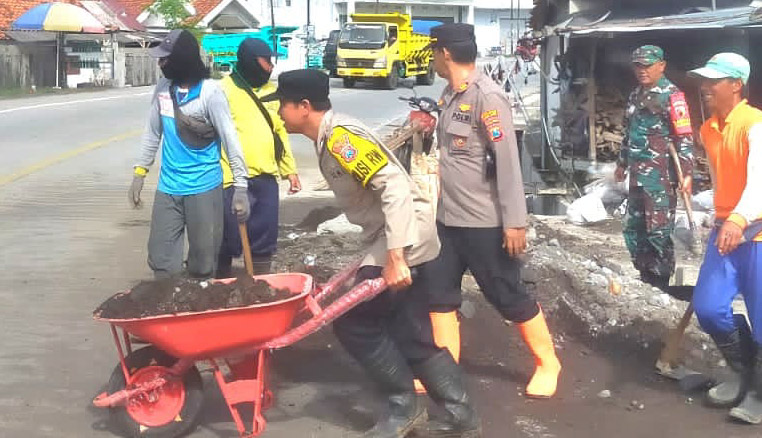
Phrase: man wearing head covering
[732,138]
[390,335]
[656,118]
[190,119]
[482,216]
[268,156]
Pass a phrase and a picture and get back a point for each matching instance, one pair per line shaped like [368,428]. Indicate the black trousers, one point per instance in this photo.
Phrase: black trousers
[401,316]
[498,275]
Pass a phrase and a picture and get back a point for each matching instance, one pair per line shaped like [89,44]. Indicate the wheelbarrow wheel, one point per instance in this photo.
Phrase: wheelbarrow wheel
[168,412]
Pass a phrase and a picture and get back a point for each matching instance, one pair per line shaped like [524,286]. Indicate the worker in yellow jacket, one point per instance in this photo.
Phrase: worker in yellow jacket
[267,154]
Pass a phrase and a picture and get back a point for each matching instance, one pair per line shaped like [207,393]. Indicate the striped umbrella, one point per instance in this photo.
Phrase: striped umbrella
[61,18]
[58,17]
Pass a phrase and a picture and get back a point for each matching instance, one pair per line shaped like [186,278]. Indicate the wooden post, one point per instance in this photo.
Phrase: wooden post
[591,92]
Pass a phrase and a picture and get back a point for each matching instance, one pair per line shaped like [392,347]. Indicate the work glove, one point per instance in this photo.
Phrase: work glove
[134,193]
[241,206]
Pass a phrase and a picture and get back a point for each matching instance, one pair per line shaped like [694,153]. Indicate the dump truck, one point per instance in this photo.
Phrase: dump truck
[383,48]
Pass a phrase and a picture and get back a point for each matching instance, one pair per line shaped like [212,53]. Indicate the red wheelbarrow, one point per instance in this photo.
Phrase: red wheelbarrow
[156,391]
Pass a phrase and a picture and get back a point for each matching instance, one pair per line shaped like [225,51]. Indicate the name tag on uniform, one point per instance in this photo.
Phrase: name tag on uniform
[165,105]
[461,116]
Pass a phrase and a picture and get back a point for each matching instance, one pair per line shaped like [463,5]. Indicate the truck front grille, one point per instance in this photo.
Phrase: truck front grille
[359,63]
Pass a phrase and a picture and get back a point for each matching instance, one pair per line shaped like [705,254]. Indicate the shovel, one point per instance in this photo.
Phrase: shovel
[671,351]
[246,249]
[695,240]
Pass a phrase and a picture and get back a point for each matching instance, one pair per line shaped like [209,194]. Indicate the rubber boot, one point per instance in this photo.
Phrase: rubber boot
[750,409]
[387,367]
[442,378]
[262,264]
[548,367]
[446,328]
[738,350]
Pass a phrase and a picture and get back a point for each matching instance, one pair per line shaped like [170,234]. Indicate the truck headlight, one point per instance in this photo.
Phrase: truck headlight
[380,63]
[341,62]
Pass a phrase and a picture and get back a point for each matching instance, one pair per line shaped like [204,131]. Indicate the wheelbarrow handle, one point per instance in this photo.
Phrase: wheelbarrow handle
[364,291]
[333,284]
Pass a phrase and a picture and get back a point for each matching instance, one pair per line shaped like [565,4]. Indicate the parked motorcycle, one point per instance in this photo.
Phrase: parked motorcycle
[419,126]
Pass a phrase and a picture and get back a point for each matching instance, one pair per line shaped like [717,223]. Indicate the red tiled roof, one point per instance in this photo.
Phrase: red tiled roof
[203,8]
[10,10]
[134,7]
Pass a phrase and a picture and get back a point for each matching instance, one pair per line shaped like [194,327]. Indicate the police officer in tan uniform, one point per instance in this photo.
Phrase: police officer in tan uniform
[482,217]
[390,335]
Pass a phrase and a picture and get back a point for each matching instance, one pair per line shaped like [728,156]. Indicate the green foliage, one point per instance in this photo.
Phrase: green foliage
[174,12]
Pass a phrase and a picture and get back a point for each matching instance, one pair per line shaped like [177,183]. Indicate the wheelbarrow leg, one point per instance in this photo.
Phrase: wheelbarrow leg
[247,390]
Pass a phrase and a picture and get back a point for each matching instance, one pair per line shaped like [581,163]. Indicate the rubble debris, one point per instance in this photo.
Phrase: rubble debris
[604,394]
[338,225]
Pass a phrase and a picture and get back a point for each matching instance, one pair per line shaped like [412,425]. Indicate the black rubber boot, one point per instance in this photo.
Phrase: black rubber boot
[442,379]
[739,351]
[750,409]
[406,411]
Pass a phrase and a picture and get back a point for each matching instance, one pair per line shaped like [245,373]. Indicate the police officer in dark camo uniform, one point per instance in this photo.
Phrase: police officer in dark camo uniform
[656,117]
[482,216]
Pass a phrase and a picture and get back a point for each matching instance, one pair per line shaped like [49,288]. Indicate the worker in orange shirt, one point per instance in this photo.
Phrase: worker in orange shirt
[732,138]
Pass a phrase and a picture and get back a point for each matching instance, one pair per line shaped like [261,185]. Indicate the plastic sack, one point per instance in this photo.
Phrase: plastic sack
[588,209]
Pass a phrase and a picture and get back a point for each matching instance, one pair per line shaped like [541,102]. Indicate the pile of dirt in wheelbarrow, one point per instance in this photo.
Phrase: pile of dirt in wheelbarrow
[177,295]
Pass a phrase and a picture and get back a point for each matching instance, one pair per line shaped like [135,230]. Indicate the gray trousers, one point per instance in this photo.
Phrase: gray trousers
[202,215]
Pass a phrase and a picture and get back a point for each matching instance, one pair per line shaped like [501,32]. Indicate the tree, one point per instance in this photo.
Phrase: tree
[174,13]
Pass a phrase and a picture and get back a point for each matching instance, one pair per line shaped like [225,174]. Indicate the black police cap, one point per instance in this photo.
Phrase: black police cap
[297,85]
[451,33]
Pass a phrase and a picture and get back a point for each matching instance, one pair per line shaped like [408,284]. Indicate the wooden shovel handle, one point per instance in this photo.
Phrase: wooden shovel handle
[246,249]
[686,198]
[671,350]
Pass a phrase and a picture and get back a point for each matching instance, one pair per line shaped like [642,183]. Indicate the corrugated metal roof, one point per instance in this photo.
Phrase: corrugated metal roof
[746,16]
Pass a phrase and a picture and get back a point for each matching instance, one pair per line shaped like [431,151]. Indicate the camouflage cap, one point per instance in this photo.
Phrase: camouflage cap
[647,55]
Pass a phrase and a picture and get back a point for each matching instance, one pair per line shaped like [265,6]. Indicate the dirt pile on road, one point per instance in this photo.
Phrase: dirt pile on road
[177,295]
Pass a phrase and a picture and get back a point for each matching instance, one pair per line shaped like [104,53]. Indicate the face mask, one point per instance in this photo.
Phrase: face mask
[184,64]
[254,74]
[170,71]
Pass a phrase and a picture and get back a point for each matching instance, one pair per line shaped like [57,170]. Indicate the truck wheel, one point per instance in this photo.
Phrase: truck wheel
[428,77]
[168,412]
[390,82]
[349,83]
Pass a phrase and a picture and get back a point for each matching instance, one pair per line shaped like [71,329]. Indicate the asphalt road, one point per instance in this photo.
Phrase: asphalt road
[69,240]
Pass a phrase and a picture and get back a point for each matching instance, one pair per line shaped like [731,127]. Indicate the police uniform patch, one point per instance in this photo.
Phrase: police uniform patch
[463,86]
[460,141]
[460,116]
[496,133]
[490,116]
[358,156]
[464,107]
[681,118]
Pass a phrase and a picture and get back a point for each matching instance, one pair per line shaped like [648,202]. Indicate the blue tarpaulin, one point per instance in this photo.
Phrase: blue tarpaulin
[424,26]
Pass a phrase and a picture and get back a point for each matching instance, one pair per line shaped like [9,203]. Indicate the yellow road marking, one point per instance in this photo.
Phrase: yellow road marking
[40,165]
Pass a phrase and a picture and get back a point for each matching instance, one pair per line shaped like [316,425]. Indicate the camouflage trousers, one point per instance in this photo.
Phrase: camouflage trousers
[648,230]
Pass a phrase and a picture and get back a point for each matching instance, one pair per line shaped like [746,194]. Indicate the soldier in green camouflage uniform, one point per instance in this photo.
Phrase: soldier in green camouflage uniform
[656,117]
